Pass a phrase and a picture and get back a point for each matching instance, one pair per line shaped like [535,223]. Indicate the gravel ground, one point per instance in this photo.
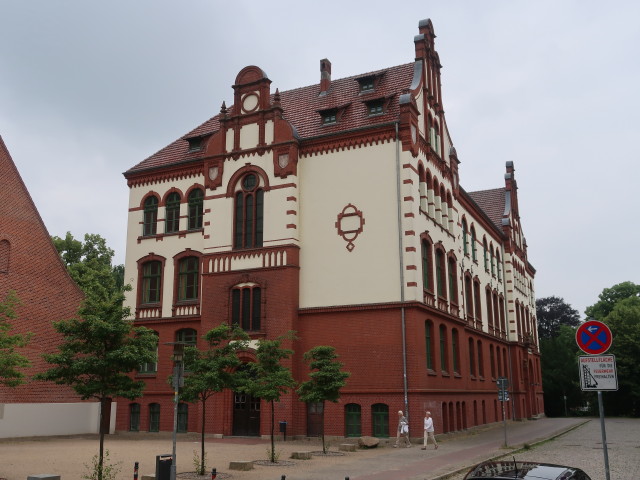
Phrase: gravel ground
[582,447]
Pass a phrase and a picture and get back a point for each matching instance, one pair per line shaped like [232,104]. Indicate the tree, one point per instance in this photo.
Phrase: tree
[552,312]
[268,379]
[212,371]
[609,297]
[89,263]
[326,379]
[559,365]
[11,362]
[100,347]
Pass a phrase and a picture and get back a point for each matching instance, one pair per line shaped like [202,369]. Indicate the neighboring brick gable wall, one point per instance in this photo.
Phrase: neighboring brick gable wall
[40,280]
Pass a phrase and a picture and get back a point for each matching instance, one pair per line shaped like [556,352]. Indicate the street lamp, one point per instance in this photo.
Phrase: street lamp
[178,381]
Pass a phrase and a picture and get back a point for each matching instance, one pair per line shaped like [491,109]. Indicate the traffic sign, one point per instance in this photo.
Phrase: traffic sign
[598,372]
[593,337]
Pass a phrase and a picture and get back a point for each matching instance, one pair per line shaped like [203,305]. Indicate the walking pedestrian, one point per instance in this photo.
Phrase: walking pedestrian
[403,430]
[428,430]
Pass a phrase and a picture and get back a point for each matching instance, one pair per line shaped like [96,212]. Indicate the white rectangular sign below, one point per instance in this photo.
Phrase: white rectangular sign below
[598,372]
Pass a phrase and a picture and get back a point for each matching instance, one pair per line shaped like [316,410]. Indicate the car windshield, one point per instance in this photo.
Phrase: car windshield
[524,470]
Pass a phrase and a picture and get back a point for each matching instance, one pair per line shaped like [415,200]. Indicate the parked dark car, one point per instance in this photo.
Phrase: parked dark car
[505,470]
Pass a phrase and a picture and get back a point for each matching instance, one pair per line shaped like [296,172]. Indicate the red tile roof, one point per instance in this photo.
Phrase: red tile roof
[492,202]
[301,108]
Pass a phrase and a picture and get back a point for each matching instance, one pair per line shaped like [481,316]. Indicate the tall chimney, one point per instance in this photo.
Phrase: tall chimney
[325,76]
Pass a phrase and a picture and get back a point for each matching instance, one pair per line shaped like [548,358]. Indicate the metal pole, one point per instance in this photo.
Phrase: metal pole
[175,431]
[504,420]
[604,435]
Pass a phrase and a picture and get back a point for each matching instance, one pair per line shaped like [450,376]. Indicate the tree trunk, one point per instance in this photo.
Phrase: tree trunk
[273,443]
[202,467]
[103,402]
[324,448]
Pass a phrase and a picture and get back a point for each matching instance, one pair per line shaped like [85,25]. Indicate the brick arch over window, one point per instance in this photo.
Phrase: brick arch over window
[187,272]
[5,255]
[163,201]
[149,290]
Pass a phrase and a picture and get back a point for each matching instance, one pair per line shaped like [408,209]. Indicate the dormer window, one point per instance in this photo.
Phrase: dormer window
[195,144]
[366,84]
[329,116]
[375,107]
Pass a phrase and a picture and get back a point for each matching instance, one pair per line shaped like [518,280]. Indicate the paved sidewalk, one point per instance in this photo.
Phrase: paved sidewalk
[66,456]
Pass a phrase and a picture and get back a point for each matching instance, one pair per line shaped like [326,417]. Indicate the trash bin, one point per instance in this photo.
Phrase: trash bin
[163,466]
[283,429]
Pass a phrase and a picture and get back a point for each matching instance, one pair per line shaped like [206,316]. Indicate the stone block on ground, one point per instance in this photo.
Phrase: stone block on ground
[241,465]
[348,447]
[368,442]
[43,476]
[301,455]
[151,476]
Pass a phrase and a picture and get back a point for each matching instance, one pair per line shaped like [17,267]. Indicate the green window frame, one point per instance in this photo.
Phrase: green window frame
[329,117]
[453,281]
[151,282]
[440,277]
[484,255]
[134,417]
[375,107]
[172,213]
[493,262]
[150,367]
[246,308]
[380,420]
[474,249]
[428,340]
[353,420]
[187,335]
[465,240]
[188,275]
[196,201]
[366,84]
[154,417]
[183,418]
[455,348]
[426,265]
[150,216]
[444,364]
[249,213]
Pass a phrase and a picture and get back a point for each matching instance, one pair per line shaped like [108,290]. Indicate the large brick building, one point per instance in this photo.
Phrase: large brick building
[31,267]
[335,210]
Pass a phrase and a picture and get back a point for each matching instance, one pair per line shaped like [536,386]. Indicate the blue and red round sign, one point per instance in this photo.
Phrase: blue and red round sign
[593,337]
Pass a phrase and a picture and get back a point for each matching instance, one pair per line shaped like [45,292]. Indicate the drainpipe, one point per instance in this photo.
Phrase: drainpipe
[401,257]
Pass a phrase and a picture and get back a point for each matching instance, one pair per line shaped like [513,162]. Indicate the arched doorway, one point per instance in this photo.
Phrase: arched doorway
[246,414]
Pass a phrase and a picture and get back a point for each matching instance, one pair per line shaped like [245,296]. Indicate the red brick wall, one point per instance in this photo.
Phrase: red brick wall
[40,280]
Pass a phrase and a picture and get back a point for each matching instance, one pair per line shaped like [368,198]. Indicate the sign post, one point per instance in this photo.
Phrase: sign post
[503,396]
[597,371]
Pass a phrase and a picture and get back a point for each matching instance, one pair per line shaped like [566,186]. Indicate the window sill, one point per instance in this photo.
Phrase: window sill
[147,375]
[444,373]
[431,372]
[457,375]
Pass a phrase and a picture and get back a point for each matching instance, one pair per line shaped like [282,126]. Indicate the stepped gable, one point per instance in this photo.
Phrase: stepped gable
[492,203]
[302,107]
[30,266]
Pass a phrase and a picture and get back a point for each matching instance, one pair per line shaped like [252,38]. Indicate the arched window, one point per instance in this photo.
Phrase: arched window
[246,304]
[468,296]
[492,361]
[134,417]
[187,335]
[453,280]
[195,209]
[428,340]
[422,188]
[441,280]
[477,304]
[493,261]
[248,212]
[426,265]
[485,257]
[489,302]
[474,249]
[150,367]
[154,417]
[151,281]
[380,420]
[444,364]
[465,240]
[183,417]
[150,220]
[472,358]
[5,250]
[172,214]
[188,275]
[455,349]
[480,360]
[352,420]
[498,266]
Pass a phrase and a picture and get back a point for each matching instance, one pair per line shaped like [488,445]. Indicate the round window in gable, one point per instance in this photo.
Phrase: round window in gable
[249,182]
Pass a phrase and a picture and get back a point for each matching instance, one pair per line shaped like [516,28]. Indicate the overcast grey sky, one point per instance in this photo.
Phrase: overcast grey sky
[88,89]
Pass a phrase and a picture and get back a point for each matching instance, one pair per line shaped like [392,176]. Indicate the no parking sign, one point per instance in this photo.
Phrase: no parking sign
[593,337]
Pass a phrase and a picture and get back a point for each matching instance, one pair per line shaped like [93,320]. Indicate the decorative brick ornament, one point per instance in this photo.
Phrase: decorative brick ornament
[350,224]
